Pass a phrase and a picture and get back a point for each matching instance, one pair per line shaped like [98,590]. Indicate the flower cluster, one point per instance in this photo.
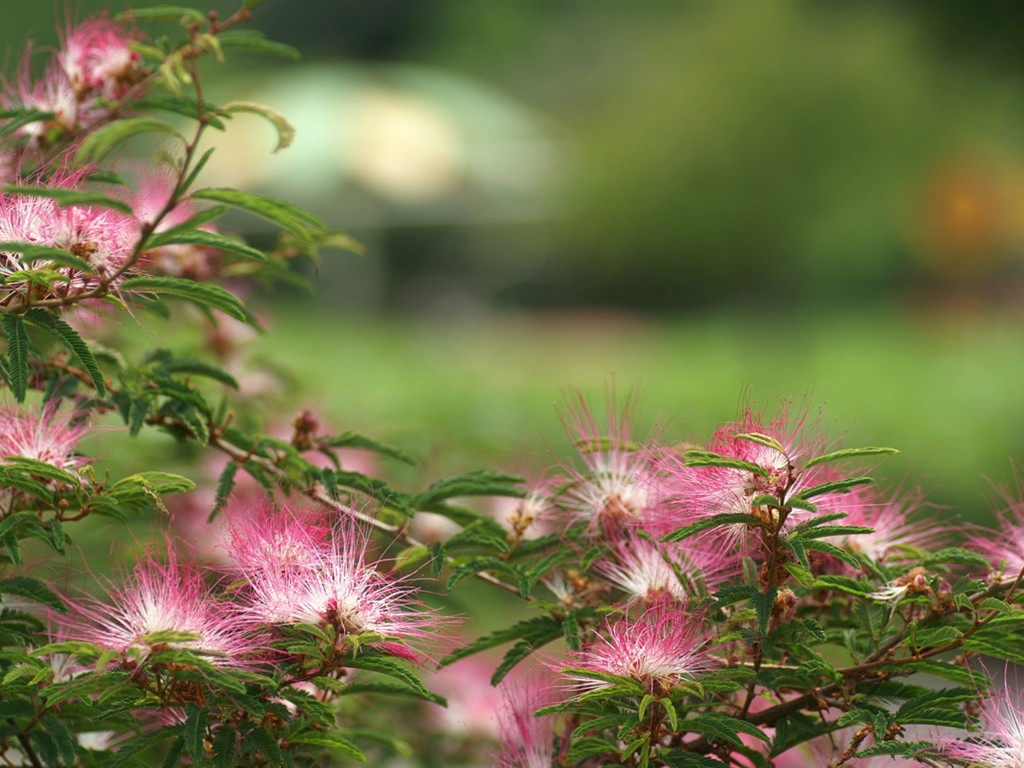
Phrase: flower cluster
[81,85]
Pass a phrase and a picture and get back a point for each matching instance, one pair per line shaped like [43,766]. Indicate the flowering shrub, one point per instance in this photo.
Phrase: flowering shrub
[751,602]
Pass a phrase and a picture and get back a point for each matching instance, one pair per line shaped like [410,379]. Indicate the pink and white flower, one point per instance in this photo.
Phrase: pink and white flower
[97,58]
[1001,741]
[160,597]
[333,583]
[617,486]
[527,741]
[102,237]
[46,433]
[660,648]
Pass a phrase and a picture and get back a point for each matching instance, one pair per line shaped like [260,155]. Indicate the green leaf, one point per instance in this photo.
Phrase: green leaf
[356,440]
[32,253]
[202,237]
[99,142]
[535,629]
[225,483]
[202,294]
[279,212]
[162,13]
[956,556]
[701,458]
[835,486]
[17,118]
[897,748]
[225,744]
[70,197]
[849,453]
[194,732]
[17,355]
[764,603]
[253,41]
[843,584]
[722,728]
[333,741]
[387,688]
[484,532]
[826,531]
[677,759]
[181,105]
[762,439]
[478,483]
[390,666]
[716,521]
[159,482]
[285,130]
[267,744]
[75,344]
[32,589]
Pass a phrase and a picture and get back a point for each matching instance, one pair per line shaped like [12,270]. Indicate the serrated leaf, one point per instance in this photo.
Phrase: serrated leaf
[32,253]
[897,748]
[356,440]
[70,197]
[476,483]
[285,130]
[536,628]
[387,688]
[995,604]
[202,294]
[763,604]
[842,584]
[391,667]
[701,458]
[834,486]
[225,483]
[225,746]
[34,590]
[332,741]
[280,212]
[849,453]
[716,521]
[956,556]
[17,118]
[17,355]
[193,732]
[75,344]
[253,41]
[99,142]
[202,237]
[162,13]
[720,727]
[762,439]
[267,744]
[181,105]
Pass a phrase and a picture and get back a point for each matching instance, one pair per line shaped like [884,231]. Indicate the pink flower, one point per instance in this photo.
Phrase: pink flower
[52,93]
[96,56]
[649,570]
[45,434]
[328,583]
[896,535]
[266,537]
[1004,547]
[1001,743]
[661,647]
[527,741]
[160,597]
[778,447]
[102,237]
[617,486]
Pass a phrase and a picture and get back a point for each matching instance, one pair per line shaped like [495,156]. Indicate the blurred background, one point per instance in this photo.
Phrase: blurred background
[714,203]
